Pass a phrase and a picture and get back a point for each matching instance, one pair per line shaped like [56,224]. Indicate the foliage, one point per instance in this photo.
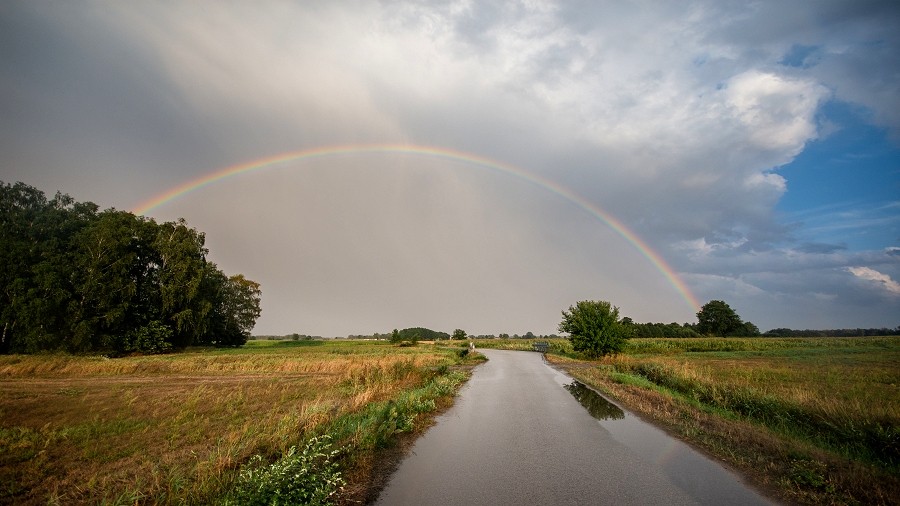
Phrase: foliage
[309,476]
[235,308]
[422,334]
[78,279]
[459,334]
[151,338]
[784,332]
[594,328]
[663,330]
[716,318]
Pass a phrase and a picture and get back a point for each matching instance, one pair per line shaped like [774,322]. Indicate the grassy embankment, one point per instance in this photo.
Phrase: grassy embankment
[815,421]
[178,428]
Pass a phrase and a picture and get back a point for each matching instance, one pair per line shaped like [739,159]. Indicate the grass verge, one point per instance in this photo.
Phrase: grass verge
[813,421]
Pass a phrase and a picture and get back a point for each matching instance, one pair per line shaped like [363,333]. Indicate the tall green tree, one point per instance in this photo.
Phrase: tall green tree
[234,308]
[716,318]
[73,278]
[594,328]
[110,257]
[459,334]
[182,266]
[36,265]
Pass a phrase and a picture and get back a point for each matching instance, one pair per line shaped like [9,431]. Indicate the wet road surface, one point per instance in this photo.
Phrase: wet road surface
[518,435]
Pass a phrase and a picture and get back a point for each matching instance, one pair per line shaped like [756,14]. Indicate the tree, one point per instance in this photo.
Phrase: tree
[422,334]
[180,274]
[235,307]
[716,318]
[459,334]
[73,278]
[747,330]
[594,328]
[395,336]
[112,282]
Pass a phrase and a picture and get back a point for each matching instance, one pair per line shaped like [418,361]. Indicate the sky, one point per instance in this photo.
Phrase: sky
[653,154]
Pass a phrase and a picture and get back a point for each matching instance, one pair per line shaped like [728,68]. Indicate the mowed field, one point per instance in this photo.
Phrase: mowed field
[814,421]
[177,428]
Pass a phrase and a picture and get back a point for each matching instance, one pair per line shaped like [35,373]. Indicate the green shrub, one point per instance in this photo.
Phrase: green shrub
[310,476]
[154,338]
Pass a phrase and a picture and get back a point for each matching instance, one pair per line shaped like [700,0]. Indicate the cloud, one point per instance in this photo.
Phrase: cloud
[821,248]
[874,276]
[675,120]
[777,112]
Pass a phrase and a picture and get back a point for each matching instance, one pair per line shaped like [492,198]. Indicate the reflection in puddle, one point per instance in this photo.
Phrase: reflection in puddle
[706,480]
[597,406]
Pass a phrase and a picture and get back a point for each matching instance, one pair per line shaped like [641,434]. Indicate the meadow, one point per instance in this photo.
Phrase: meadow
[811,420]
[186,427]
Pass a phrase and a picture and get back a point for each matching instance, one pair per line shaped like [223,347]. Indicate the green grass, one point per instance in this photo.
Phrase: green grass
[835,403]
[557,346]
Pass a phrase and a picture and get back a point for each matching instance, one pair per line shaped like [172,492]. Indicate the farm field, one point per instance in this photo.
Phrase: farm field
[816,421]
[178,428]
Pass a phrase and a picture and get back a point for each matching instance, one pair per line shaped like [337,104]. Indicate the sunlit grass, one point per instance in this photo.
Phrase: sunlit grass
[177,428]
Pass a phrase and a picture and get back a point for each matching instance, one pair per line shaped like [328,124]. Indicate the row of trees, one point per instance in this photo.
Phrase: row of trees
[884,331]
[594,327]
[416,334]
[79,279]
[661,329]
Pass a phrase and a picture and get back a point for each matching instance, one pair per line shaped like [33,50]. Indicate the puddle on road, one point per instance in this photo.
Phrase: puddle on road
[706,480]
[594,403]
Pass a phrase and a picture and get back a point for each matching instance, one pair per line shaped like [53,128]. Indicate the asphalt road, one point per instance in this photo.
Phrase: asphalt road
[516,436]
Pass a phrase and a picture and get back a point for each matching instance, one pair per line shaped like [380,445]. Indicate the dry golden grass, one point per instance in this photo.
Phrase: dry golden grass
[167,429]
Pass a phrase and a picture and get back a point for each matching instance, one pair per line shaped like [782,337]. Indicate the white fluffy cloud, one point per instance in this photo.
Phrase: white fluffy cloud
[778,113]
[876,277]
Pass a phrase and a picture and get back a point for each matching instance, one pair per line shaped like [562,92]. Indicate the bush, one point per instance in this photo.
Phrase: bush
[310,476]
[154,337]
[594,328]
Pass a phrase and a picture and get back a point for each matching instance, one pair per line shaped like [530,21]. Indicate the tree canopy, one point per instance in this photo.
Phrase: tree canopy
[594,328]
[78,279]
[421,333]
[716,318]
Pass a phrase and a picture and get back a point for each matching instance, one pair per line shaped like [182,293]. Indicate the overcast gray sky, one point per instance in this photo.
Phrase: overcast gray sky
[755,147]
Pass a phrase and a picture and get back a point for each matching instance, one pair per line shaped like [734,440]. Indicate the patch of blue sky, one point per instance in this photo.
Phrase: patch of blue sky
[801,56]
[843,190]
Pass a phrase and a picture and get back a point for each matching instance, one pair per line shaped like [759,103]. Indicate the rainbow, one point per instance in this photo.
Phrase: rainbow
[431,152]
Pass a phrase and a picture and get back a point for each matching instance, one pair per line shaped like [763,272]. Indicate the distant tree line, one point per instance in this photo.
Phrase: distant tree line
[78,279]
[416,334]
[715,318]
[661,329]
[833,332]
[290,337]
